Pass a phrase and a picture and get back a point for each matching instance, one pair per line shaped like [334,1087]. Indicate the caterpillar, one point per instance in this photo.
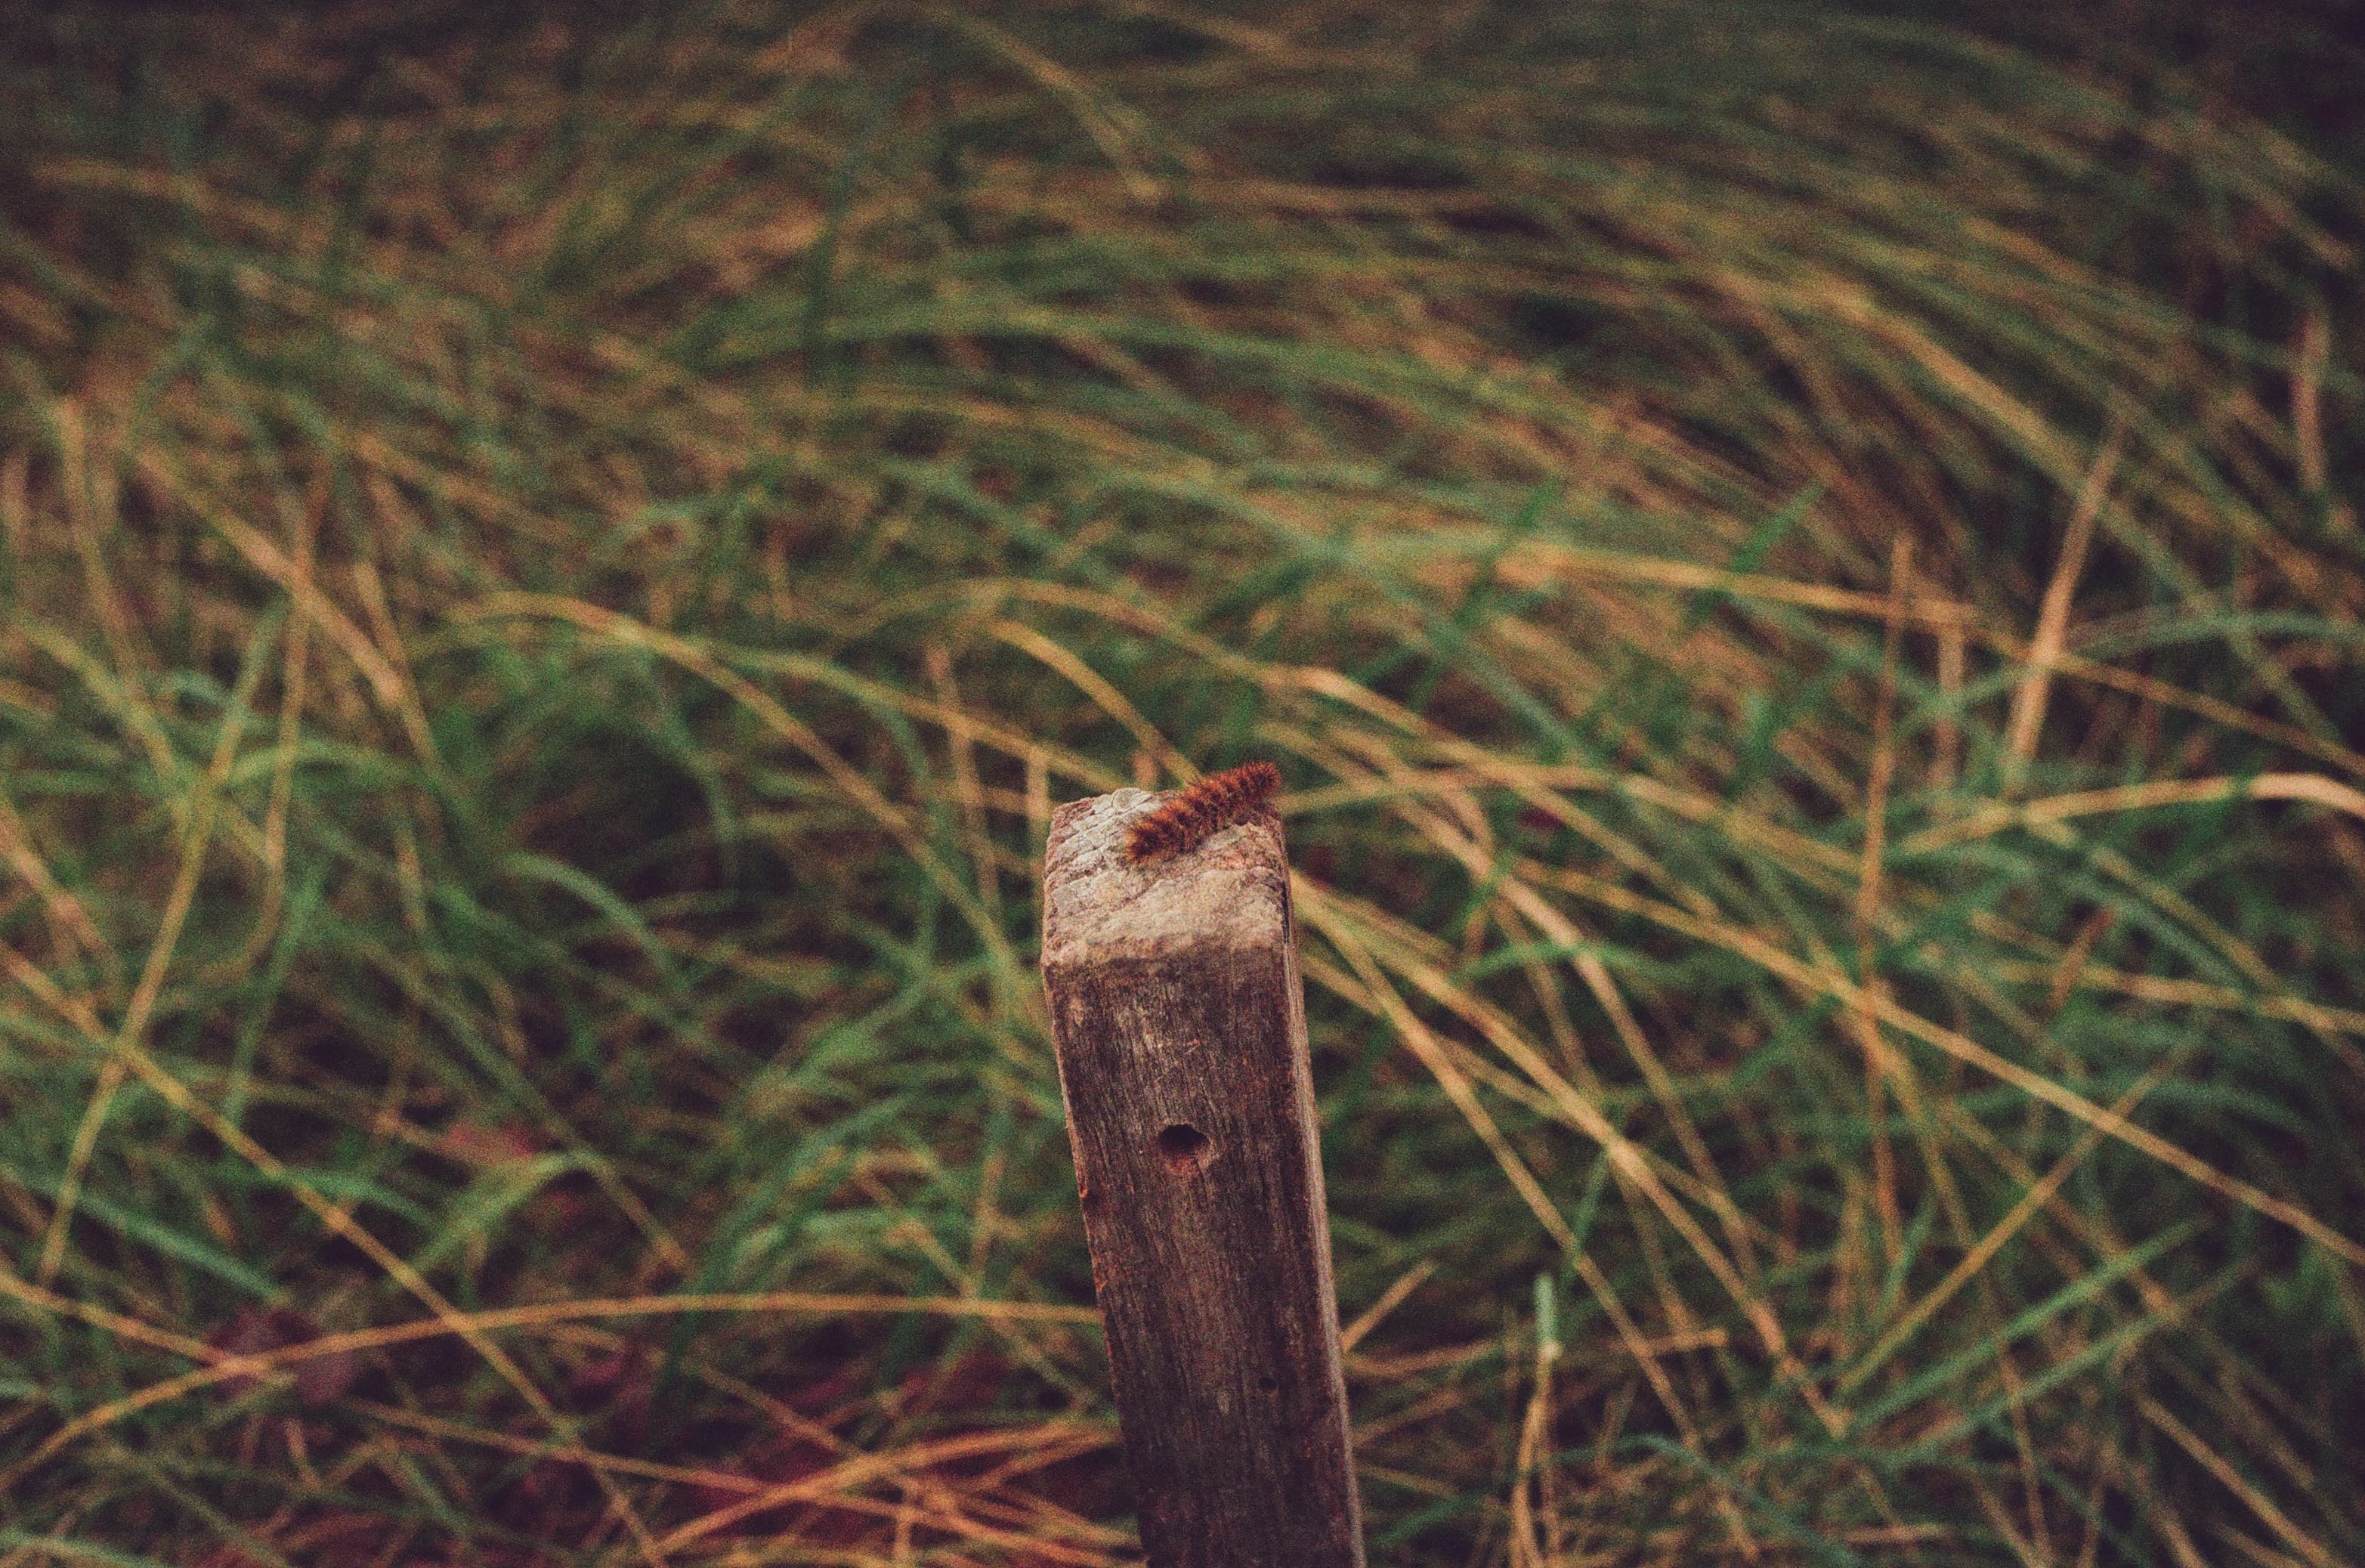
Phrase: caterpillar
[1195,810]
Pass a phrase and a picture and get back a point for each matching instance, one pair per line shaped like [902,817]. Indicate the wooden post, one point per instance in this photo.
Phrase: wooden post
[1180,1022]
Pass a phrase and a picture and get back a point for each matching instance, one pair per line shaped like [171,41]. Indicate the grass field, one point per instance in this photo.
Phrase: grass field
[1801,570]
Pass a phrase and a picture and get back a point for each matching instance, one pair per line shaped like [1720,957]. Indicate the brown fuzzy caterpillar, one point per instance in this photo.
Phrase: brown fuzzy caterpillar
[1195,812]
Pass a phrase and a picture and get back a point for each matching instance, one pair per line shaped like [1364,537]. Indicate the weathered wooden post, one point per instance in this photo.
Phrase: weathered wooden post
[1179,1024]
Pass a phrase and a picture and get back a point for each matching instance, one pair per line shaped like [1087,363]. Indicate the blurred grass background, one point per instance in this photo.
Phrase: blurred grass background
[1801,568]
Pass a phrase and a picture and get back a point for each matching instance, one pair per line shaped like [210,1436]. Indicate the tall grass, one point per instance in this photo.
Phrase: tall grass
[1801,572]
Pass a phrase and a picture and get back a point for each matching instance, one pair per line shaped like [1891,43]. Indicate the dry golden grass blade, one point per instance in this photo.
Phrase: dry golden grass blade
[740,474]
[134,1025]
[1987,821]
[2053,616]
[1963,1049]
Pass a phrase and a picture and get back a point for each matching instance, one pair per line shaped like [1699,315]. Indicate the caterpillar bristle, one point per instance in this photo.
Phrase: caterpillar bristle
[1196,811]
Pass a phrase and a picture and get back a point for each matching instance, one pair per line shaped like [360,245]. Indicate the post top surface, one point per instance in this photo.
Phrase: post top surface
[1232,891]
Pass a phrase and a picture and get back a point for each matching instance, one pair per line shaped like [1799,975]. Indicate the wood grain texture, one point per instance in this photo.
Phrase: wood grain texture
[1179,1024]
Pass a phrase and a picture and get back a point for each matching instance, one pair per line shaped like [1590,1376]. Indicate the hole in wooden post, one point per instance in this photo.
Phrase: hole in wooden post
[1185,1150]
